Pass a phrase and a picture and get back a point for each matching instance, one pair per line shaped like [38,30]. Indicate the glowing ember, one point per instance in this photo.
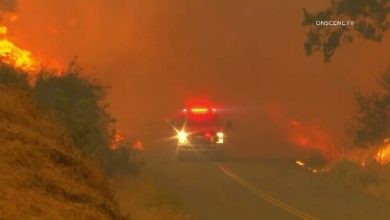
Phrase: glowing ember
[138,145]
[13,17]
[383,155]
[313,170]
[300,163]
[117,139]
[3,30]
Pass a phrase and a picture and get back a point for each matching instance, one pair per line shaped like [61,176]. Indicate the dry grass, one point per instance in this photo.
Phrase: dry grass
[373,179]
[380,188]
[41,175]
[142,200]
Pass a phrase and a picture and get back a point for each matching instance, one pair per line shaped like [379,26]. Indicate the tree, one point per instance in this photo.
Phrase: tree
[373,116]
[370,17]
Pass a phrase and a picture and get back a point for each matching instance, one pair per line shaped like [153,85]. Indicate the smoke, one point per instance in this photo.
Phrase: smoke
[8,5]
[246,55]
[7,10]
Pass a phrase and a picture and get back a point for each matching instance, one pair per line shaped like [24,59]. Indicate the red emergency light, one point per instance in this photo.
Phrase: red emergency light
[200,110]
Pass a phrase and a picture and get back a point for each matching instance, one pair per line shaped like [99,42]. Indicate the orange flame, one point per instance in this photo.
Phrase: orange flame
[363,157]
[382,156]
[15,56]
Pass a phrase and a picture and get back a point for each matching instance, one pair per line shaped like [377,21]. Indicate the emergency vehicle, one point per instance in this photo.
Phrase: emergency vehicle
[199,130]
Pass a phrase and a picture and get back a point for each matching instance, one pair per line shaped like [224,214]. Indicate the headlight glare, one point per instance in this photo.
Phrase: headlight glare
[182,137]
[221,137]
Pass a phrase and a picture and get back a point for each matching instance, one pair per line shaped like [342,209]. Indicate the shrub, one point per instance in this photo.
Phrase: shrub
[12,77]
[77,104]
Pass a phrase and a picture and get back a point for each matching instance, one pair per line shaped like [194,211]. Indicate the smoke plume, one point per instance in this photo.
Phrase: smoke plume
[246,55]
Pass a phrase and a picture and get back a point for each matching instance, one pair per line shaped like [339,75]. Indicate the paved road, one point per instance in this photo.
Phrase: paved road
[262,190]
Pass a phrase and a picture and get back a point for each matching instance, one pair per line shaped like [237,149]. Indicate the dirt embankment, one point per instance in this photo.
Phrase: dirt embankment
[41,174]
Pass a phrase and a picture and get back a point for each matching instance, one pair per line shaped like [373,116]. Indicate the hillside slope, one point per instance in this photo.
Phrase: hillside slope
[41,175]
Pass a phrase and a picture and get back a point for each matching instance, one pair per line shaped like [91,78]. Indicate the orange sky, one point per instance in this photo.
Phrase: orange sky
[248,54]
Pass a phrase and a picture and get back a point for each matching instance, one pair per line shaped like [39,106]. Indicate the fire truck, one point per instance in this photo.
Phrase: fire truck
[199,131]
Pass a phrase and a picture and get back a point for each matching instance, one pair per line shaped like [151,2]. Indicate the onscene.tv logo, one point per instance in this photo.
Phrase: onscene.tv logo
[335,23]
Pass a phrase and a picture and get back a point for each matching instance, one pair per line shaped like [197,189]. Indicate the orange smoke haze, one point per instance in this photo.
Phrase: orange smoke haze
[305,135]
[244,54]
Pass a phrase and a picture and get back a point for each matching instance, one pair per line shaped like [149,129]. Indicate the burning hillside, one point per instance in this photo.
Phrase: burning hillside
[41,175]
[10,53]
[325,153]
[15,56]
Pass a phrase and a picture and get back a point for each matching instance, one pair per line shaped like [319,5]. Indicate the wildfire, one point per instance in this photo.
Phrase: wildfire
[13,55]
[364,157]
[382,156]
[312,137]
[303,134]
[118,141]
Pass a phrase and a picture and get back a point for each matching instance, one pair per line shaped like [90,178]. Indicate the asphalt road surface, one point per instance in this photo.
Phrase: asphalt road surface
[262,189]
